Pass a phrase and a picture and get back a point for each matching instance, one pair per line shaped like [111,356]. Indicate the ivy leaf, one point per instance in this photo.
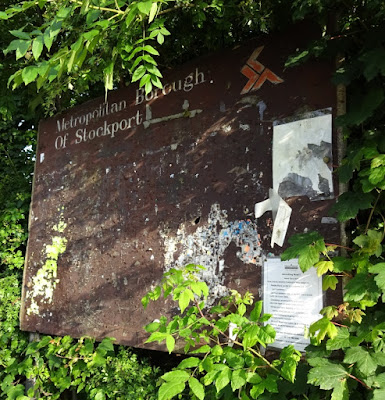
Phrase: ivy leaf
[168,390]
[329,282]
[362,358]
[349,203]
[325,374]
[197,388]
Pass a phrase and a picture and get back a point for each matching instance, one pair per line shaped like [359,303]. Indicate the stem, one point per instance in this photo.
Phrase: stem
[362,383]
[372,212]
[338,245]
[337,324]
[236,341]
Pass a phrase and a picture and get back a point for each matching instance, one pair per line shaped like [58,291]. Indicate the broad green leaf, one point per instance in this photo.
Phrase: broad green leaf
[106,344]
[156,336]
[131,15]
[370,243]
[257,310]
[250,337]
[160,38]
[176,376]
[323,267]
[170,343]
[340,341]
[197,388]
[363,359]
[168,390]
[349,203]
[379,270]
[190,362]
[266,335]
[329,282]
[184,299]
[203,349]
[4,15]
[241,309]
[223,379]
[29,74]
[238,379]
[362,285]
[341,391]
[37,47]
[217,350]
[145,7]
[374,60]
[322,328]
[326,374]
[108,76]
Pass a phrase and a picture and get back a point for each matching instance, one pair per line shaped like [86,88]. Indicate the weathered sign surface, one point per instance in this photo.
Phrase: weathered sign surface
[126,189]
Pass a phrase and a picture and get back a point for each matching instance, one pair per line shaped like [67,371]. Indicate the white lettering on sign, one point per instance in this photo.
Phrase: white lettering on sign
[84,119]
[193,79]
[81,122]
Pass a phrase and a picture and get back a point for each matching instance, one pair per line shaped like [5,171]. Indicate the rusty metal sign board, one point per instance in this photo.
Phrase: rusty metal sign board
[130,187]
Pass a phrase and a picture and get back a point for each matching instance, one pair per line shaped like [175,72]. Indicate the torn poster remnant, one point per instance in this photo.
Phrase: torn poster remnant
[207,245]
[281,216]
[302,154]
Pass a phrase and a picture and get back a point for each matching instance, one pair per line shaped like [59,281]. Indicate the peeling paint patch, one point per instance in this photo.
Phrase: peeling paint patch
[42,155]
[45,280]
[207,245]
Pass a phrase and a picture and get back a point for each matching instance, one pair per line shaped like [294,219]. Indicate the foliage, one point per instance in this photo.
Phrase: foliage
[59,53]
[227,342]
[55,365]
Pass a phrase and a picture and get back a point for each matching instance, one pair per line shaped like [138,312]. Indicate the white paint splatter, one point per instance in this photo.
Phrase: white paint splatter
[41,157]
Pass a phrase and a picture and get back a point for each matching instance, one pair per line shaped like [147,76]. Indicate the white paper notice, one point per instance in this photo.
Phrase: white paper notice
[293,298]
[302,154]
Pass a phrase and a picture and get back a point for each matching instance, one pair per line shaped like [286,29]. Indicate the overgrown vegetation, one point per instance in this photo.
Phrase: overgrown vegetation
[59,53]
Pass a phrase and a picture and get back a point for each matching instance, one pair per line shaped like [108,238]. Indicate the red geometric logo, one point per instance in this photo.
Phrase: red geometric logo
[257,73]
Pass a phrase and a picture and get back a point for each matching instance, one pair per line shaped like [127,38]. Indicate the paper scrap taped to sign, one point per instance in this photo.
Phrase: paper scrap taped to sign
[302,154]
[293,298]
[281,216]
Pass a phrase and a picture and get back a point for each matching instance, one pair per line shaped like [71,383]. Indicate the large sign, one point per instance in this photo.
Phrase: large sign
[128,187]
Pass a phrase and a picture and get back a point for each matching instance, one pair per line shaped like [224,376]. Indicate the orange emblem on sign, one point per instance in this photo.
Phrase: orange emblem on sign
[257,73]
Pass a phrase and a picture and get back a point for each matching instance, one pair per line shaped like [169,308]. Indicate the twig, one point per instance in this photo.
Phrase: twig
[372,212]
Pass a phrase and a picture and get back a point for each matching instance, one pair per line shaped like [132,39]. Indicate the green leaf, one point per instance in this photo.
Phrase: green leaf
[326,374]
[151,50]
[250,337]
[379,270]
[170,343]
[363,359]
[156,336]
[340,391]
[190,362]
[160,38]
[340,341]
[329,282]
[374,60]
[257,310]
[184,299]
[131,15]
[176,376]
[238,379]
[21,47]
[145,7]
[322,328]
[223,379]
[153,11]
[323,267]
[106,345]
[349,203]
[138,73]
[108,76]
[37,47]
[169,390]
[197,388]
[29,74]
[307,246]
[20,34]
